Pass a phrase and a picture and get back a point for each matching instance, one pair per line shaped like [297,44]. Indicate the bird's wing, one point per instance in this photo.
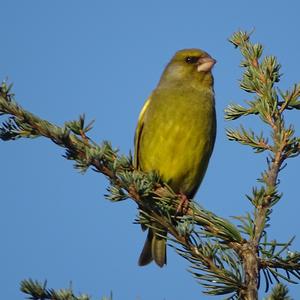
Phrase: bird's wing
[138,133]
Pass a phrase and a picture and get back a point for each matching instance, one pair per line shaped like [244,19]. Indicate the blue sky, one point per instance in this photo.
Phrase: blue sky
[103,58]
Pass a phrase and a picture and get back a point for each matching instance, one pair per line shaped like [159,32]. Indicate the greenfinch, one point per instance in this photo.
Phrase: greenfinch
[176,132]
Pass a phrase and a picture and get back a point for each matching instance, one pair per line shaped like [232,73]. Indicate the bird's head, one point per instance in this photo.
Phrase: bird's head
[190,65]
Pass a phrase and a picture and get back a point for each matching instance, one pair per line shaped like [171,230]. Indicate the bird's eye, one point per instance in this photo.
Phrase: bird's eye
[191,59]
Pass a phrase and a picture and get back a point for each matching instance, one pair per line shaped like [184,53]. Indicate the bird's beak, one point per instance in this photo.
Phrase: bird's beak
[205,64]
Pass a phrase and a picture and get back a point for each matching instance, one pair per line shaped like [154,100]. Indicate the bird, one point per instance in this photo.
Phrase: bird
[176,132]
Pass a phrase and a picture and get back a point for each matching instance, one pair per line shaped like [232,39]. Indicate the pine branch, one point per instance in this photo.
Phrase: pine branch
[259,78]
[279,292]
[249,138]
[235,111]
[39,291]
[161,202]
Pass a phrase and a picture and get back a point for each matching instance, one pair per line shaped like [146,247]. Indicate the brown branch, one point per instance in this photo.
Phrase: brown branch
[279,264]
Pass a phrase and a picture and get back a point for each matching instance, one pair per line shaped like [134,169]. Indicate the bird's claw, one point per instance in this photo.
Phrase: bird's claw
[183,205]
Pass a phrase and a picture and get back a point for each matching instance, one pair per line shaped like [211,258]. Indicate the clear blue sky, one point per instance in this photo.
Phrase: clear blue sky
[103,58]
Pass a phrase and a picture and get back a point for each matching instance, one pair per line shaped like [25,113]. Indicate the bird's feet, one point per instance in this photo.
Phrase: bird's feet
[183,204]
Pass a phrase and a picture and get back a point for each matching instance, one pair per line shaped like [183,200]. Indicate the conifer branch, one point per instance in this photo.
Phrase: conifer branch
[259,78]
[156,201]
[279,292]
[39,291]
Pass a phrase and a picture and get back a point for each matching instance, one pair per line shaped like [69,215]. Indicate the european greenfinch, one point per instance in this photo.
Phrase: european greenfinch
[176,132]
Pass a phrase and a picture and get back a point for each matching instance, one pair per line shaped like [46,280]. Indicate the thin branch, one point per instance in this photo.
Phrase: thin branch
[126,182]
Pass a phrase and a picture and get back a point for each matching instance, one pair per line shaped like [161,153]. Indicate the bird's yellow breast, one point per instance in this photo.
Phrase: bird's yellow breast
[176,137]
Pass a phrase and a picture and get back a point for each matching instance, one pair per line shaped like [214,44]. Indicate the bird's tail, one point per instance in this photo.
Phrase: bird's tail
[155,248]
